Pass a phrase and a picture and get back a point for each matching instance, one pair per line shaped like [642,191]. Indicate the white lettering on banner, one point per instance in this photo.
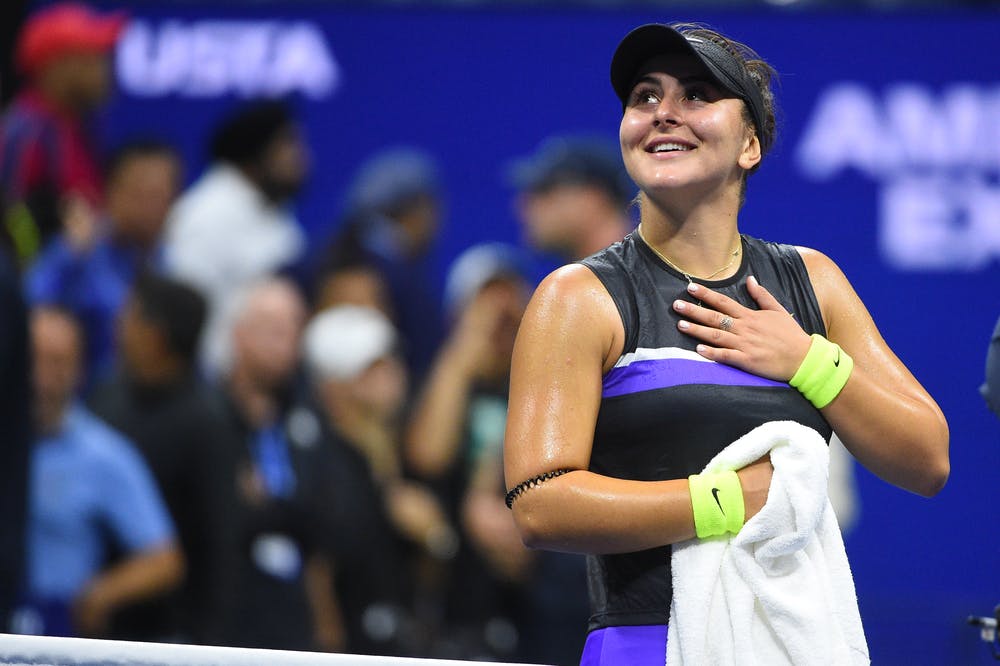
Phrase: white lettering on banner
[936,157]
[214,58]
[935,222]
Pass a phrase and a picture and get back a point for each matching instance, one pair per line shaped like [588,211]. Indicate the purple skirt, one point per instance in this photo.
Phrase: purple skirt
[636,646]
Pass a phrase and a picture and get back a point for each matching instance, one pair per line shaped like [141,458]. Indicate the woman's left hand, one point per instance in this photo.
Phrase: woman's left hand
[767,342]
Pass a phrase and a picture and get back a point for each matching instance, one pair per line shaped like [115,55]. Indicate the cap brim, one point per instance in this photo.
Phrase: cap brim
[646,42]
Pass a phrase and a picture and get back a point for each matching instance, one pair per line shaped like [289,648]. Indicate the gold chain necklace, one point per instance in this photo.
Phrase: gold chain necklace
[680,270]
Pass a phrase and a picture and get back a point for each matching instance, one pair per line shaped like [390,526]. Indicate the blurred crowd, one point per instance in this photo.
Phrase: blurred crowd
[218,430]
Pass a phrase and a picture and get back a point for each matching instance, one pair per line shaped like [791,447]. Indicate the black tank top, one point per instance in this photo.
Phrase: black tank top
[666,411]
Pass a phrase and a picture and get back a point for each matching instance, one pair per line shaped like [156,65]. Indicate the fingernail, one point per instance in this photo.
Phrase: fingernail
[700,349]
[754,279]
[679,305]
[692,287]
[683,325]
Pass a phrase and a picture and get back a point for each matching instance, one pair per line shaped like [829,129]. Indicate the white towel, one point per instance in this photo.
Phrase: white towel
[780,591]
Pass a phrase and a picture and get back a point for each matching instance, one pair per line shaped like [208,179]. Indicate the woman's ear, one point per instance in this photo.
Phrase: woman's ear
[751,155]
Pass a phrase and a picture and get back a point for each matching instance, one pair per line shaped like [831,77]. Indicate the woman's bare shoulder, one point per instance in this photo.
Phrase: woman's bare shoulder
[572,305]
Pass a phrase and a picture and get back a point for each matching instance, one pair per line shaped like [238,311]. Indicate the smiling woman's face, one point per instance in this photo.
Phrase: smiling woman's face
[681,131]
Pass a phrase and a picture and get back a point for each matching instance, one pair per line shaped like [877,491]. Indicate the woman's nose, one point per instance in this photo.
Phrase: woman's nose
[666,113]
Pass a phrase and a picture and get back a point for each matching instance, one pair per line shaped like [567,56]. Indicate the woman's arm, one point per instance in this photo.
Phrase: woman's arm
[570,335]
[883,415]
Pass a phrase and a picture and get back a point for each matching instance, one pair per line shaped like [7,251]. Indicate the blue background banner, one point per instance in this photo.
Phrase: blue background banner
[888,161]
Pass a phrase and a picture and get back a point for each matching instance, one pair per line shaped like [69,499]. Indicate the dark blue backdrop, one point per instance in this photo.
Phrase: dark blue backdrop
[888,162]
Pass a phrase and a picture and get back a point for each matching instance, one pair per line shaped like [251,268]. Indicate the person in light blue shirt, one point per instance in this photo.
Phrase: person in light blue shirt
[90,491]
[89,267]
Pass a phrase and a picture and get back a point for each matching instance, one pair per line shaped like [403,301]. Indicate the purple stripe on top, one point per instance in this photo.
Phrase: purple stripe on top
[650,374]
[644,645]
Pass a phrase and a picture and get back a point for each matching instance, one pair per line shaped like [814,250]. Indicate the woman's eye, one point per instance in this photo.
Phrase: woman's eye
[645,96]
[701,93]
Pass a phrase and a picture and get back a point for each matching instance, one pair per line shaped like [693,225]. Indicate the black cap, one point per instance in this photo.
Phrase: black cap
[653,39]
[573,160]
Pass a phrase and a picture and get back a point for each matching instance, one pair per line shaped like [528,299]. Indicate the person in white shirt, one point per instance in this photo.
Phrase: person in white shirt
[234,226]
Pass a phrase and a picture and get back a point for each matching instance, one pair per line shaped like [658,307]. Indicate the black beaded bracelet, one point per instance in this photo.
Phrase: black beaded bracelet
[533,482]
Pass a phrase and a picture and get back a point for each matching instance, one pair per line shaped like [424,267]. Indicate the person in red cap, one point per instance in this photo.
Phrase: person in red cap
[49,169]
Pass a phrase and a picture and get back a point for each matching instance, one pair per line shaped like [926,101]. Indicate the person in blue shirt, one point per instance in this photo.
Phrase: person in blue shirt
[87,483]
[90,266]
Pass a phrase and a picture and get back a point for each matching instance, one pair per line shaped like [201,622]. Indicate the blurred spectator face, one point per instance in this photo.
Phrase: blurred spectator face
[378,391]
[356,285]
[381,388]
[268,333]
[84,76]
[139,196]
[56,345]
[140,342]
[285,165]
[420,220]
[550,216]
[402,185]
[158,329]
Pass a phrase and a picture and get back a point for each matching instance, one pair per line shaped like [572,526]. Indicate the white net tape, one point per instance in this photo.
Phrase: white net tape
[48,651]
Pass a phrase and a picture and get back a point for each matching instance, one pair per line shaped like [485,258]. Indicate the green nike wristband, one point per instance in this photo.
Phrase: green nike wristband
[823,372]
[717,502]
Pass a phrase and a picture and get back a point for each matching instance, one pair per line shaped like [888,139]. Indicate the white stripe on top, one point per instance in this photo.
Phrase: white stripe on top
[659,353]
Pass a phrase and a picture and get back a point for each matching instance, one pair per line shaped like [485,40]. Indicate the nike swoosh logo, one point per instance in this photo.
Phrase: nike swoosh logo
[836,363]
[715,494]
